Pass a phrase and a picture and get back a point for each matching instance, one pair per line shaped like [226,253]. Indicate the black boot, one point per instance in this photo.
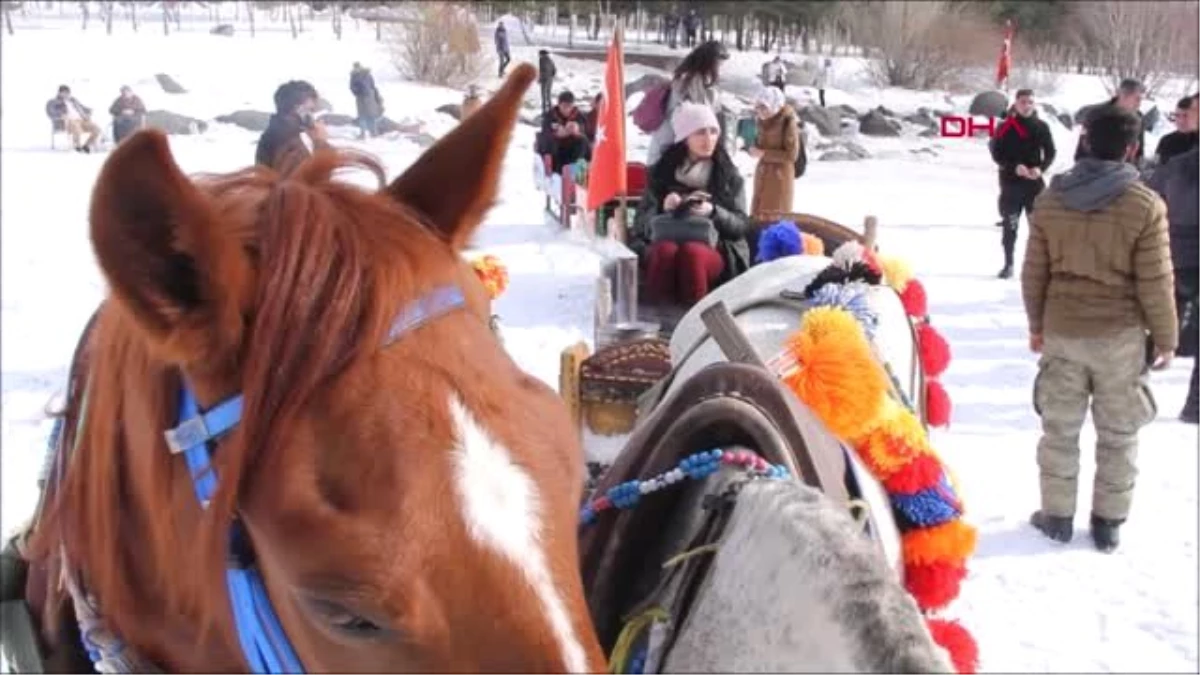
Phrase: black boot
[1106,533]
[1008,241]
[1058,528]
[1191,407]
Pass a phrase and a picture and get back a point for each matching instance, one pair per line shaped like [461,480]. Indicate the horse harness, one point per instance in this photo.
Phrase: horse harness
[263,641]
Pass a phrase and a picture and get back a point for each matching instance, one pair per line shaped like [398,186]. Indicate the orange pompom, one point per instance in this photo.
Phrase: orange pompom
[950,542]
[492,273]
[812,244]
[958,642]
[837,375]
[892,442]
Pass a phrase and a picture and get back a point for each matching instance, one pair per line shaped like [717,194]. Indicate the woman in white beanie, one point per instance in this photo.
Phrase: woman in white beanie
[691,224]
[778,145]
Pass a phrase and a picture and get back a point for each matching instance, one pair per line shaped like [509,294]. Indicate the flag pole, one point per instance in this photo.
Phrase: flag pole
[623,208]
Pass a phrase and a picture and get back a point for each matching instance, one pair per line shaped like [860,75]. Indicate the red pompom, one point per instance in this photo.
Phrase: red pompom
[951,636]
[922,473]
[935,351]
[872,261]
[938,407]
[934,585]
[915,302]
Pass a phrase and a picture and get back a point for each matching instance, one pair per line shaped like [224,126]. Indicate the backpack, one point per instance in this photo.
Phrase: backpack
[650,114]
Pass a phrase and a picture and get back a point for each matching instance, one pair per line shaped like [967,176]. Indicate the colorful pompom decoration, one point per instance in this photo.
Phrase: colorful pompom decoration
[780,240]
[938,407]
[958,643]
[828,364]
[896,272]
[916,305]
[813,245]
[934,350]
[934,586]
[492,273]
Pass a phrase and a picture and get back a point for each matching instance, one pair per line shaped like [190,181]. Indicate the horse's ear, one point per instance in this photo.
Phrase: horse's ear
[455,182]
[156,237]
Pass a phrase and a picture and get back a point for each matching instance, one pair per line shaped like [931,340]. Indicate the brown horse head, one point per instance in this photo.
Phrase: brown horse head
[412,506]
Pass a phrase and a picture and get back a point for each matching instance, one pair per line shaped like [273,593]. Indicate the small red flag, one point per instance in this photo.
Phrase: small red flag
[606,174]
[1005,63]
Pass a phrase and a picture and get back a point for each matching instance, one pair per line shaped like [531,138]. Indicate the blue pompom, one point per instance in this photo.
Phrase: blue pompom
[927,508]
[778,241]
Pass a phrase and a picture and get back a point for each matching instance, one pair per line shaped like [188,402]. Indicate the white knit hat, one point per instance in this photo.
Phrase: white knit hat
[692,117]
[772,99]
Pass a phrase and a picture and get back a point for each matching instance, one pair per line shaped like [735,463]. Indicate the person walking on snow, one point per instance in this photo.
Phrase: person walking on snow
[1022,156]
[367,100]
[1097,274]
[821,80]
[776,148]
[546,74]
[502,51]
[775,74]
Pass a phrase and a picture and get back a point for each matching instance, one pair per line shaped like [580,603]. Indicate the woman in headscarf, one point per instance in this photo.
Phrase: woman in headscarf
[691,223]
[695,81]
[778,145]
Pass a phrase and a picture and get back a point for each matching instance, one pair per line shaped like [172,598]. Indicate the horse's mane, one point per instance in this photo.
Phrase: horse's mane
[335,263]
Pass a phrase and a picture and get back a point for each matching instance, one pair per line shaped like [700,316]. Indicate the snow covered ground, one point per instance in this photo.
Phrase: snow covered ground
[1033,605]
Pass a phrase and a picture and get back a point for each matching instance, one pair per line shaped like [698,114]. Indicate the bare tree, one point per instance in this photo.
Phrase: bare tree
[1150,42]
[8,8]
[924,45]
[439,45]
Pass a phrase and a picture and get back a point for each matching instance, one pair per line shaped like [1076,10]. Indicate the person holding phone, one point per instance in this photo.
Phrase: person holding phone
[282,143]
[692,222]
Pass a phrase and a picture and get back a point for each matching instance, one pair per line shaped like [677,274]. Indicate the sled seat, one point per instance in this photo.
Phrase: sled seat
[723,405]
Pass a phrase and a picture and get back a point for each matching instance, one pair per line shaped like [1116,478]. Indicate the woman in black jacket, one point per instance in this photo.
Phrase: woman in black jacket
[691,225]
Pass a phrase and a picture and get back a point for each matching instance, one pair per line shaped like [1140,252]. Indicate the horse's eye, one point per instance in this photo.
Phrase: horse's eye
[353,624]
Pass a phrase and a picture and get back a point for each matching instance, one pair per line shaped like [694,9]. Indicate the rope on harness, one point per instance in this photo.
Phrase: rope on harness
[622,653]
[699,550]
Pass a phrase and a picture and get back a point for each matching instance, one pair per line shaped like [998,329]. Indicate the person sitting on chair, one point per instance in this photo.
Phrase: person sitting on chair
[129,114]
[691,223]
[74,117]
[562,134]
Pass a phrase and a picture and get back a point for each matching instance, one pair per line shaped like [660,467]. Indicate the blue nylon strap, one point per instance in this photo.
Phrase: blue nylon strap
[264,643]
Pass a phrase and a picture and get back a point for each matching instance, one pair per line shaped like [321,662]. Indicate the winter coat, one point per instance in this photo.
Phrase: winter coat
[563,151]
[1010,149]
[1098,259]
[694,91]
[1178,182]
[124,125]
[122,104]
[775,177]
[501,39]
[56,108]
[366,95]
[821,77]
[729,216]
[773,72]
[1081,150]
[281,144]
[546,69]
[1175,143]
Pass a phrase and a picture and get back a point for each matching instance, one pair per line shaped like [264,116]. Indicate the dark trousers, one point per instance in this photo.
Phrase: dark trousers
[781,85]
[1187,306]
[547,100]
[821,96]
[504,59]
[1016,197]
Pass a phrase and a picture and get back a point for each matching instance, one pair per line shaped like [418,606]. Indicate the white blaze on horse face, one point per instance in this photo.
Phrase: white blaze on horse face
[502,512]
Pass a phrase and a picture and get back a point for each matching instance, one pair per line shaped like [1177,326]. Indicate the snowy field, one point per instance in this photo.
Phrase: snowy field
[1034,606]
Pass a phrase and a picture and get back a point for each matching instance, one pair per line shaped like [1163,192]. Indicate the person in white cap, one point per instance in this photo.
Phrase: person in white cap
[692,223]
[777,146]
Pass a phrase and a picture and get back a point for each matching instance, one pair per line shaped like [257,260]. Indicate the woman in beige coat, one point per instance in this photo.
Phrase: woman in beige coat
[778,145]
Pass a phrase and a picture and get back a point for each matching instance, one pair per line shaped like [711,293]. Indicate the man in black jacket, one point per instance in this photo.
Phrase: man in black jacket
[1185,137]
[562,135]
[295,105]
[1023,150]
[546,75]
[1129,97]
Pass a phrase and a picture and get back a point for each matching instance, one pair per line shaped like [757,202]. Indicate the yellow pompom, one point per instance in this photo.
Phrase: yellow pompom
[896,272]
[837,375]
[891,441]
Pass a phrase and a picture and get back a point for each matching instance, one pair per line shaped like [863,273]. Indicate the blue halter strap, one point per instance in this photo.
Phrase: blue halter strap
[264,643]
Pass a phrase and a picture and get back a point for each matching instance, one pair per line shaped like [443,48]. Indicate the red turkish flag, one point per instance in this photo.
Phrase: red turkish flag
[606,174]
[1005,63]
